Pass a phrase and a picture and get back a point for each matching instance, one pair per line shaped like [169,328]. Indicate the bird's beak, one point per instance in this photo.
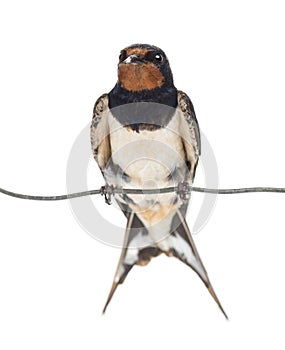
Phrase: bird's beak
[133,59]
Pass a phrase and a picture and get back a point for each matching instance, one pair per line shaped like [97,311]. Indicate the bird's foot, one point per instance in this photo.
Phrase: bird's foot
[107,191]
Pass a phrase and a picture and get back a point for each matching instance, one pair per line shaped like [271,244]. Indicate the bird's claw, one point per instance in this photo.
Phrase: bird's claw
[107,191]
[183,190]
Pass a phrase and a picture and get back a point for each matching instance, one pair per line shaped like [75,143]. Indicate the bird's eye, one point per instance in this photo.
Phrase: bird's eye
[158,57]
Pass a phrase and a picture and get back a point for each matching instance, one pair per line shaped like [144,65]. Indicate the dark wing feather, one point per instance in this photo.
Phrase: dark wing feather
[99,132]
[189,130]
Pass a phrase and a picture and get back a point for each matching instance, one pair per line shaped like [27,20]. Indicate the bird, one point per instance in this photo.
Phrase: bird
[144,135]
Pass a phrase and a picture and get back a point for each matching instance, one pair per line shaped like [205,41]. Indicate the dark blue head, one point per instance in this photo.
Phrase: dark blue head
[143,67]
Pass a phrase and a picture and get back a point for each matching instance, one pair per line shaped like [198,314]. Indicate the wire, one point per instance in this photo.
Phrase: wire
[240,190]
[49,198]
[109,190]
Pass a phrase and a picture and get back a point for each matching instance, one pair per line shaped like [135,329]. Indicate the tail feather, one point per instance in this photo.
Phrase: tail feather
[191,257]
[138,249]
[116,282]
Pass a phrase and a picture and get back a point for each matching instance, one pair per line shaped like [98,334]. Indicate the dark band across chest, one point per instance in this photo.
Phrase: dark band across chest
[143,110]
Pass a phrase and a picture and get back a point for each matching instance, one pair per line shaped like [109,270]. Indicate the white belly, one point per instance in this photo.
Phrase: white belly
[148,158]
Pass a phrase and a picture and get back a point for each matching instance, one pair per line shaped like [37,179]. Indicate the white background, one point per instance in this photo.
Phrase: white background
[57,57]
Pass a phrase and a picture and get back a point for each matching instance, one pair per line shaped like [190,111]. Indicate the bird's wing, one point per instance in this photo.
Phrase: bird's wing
[189,131]
[100,138]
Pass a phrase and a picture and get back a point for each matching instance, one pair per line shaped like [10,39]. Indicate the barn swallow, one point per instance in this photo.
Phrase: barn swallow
[144,134]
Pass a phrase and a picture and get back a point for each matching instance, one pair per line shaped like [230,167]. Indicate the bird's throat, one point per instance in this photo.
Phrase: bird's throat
[139,76]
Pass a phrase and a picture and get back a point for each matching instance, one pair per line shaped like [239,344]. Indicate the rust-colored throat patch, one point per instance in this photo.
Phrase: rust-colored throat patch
[139,76]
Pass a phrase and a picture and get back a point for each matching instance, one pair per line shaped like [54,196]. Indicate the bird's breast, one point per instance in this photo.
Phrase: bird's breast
[148,157]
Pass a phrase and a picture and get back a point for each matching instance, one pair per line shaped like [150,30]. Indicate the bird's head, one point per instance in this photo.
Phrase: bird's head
[143,67]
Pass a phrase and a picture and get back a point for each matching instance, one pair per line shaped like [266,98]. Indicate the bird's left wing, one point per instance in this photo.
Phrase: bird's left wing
[100,138]
[189,131]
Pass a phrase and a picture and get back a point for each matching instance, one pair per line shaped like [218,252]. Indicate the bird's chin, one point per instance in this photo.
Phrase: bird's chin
[139,76]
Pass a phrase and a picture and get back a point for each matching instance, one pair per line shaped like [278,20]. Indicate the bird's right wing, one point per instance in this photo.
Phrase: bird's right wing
[100,134]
